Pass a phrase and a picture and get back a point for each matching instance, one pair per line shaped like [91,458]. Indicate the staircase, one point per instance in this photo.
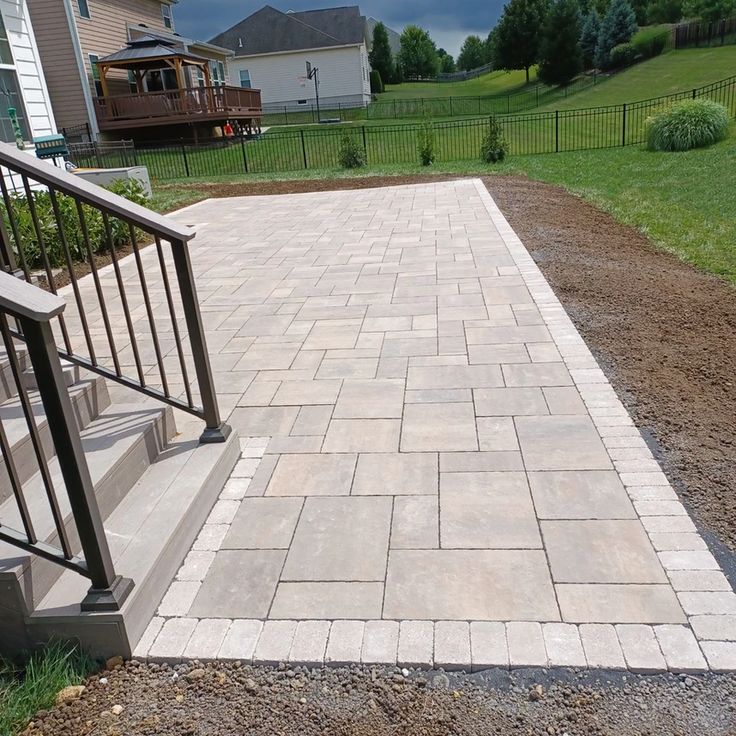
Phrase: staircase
[103,478]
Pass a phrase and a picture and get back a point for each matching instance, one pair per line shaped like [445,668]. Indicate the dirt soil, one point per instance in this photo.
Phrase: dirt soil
[664,333]
[213,700]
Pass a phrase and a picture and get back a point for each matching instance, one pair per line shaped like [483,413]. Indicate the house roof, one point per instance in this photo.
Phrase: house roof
[269,30]
[147,48]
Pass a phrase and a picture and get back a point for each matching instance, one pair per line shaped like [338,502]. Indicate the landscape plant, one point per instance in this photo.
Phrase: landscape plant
[425,143]
[376,82]
[494,146]
[351,154]
[687,124]
[622,55]
[560,54]
[618,26]
[650,42]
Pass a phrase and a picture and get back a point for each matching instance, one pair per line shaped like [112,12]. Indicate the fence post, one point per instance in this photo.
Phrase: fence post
[245,158]
[695,92]
[186,160]
[623,126]
[304,149]
[394,109]
[450,98]
[97,154]
[365,145]
[537,91]
[286,115]
[557,131]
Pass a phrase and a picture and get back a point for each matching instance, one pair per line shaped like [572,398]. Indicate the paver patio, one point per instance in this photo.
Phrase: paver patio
[435,470]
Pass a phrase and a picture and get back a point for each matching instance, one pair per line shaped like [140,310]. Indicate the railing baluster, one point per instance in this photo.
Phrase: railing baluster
[14,226]
[123,297]
[149,310]
[98,287]
[33,430]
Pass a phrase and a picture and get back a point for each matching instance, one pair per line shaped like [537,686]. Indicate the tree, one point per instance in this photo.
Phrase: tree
[447,63]
[491,44]
[472,54]
[709,10]
[380,57]
[664,11]
[589,37]
[519,33]
[560,55]
[618,26]
[418,54]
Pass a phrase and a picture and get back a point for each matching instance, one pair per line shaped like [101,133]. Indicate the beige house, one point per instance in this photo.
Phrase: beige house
[74,35]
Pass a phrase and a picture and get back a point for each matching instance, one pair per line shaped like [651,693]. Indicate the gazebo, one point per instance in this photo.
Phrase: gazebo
[198,105]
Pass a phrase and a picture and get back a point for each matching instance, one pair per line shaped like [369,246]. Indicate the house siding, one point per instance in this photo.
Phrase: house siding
[28,67]
[343,76]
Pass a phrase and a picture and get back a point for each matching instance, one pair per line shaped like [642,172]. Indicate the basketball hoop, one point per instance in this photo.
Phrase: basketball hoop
[302,81]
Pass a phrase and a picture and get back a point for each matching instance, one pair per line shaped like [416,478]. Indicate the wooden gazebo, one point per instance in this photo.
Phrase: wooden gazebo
[200,106]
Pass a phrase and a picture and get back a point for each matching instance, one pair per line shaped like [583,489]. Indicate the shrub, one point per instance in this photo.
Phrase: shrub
[650,42]
[622,55]
[351,155]
[50,232]
[687,124]
[494,147]
[425,143]
[376,82]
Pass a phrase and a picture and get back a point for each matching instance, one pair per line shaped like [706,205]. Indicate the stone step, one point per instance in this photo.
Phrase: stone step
[89,397]
[150,533]
[119,446]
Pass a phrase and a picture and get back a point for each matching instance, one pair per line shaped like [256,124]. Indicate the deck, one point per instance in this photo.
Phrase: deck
[192,105]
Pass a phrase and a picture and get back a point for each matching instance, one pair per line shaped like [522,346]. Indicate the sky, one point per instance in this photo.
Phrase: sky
[447,22]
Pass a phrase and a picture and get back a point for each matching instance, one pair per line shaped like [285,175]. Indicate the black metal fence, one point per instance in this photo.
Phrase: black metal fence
[459,140]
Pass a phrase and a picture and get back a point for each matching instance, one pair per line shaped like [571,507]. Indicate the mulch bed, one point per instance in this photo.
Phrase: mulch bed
[664,333]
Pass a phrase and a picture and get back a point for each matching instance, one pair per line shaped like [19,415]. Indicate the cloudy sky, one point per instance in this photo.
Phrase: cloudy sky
[448,22]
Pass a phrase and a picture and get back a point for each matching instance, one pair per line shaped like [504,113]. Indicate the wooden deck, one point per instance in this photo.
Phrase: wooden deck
[193,105]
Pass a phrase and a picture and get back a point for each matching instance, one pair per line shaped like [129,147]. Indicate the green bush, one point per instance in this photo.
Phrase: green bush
[351,154]
[376,82]
[650,42]
[494,147]
[50,232]
[425,143]
[687,124]
[622,55]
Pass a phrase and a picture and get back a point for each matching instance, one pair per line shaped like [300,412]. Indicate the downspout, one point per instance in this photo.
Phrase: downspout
[77,45]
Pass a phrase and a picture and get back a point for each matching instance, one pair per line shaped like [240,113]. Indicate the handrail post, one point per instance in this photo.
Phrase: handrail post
[109,590]
[215,430]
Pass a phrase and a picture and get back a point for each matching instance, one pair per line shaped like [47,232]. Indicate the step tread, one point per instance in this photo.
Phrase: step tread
[146,521]
[106,442]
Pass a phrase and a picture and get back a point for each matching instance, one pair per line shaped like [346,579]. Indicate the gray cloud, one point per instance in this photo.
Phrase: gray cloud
[449,24]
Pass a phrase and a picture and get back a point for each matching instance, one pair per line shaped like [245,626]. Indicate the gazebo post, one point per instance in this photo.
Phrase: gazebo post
[103,79]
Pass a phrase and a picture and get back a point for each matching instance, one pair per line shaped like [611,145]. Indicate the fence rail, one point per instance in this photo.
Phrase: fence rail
[458,140]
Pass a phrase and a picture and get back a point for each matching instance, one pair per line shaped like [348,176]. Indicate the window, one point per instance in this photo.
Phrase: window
[93,59]
[245,78]
[217,72]
[166,15]
[83,9]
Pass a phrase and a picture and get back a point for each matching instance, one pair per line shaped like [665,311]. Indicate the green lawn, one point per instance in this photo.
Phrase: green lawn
[675,71]
[495,83]
[679,200]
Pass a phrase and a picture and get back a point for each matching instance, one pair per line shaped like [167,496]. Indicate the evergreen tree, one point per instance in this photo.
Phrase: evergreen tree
[589,37]
[380,56]
[418,54]
[618,26]
[560,55]
[519,33]
[472,54]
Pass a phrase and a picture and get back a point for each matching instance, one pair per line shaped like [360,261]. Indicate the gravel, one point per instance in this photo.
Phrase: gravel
[203,699]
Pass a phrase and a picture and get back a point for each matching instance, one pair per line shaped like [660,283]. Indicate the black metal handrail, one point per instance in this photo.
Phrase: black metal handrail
[83,220]
[32,310]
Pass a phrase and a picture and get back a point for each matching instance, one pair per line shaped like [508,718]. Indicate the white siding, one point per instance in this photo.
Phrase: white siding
[28,67]
[343,75]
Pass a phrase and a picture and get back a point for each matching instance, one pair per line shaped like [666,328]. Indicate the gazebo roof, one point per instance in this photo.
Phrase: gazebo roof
[147,49]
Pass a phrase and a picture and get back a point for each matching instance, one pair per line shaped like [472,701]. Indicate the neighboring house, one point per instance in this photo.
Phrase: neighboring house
[272,49]
[22,84]
[394,37]
[75,36]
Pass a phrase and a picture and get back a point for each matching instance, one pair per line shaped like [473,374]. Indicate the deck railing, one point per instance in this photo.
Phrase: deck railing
[193,102]
[138,324]
[28,311]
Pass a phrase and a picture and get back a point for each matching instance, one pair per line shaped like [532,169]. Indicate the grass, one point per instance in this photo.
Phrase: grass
[495,83]
[24,693]
[673,198]
[675,71]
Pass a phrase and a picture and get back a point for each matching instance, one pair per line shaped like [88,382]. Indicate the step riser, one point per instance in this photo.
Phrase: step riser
[87,406]
[8,388]
[41,574]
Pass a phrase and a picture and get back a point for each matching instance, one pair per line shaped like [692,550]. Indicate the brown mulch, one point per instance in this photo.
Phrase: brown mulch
[664,333]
